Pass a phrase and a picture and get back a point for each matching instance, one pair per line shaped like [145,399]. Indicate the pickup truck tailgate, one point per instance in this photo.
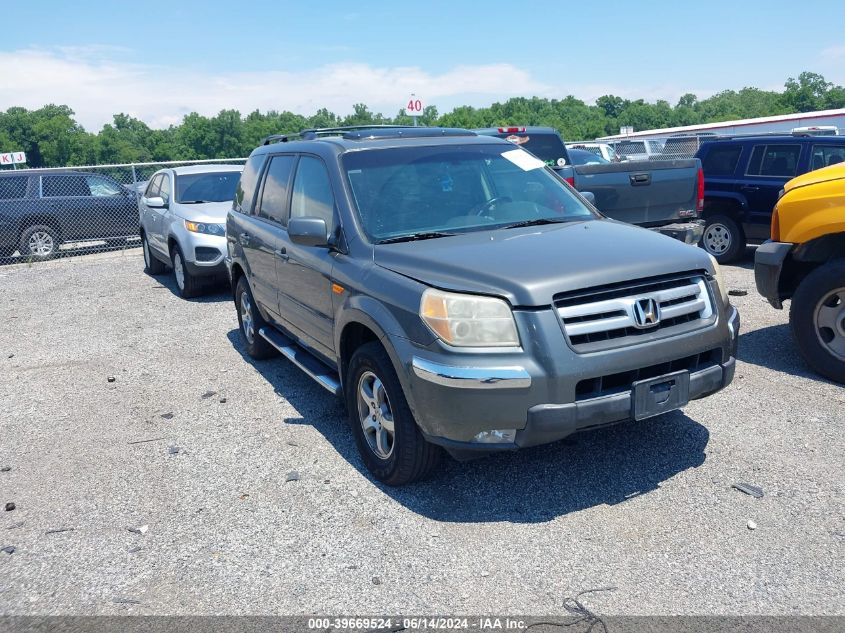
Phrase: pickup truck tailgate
[643,192]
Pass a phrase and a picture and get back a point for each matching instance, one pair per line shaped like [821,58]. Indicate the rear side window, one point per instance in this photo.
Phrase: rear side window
[64,187]
[274,195]
[13,187]
[721,160]
[826,155]
[774,160]
[245,193]
[312,192]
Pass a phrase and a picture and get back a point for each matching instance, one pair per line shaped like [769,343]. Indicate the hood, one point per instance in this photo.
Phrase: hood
[528,266]
[209,212]
[834,172]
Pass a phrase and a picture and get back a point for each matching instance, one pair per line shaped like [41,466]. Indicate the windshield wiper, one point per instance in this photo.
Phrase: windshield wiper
[535,222]
[428,235]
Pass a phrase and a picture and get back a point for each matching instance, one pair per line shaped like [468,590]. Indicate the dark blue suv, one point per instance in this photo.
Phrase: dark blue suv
[743,176]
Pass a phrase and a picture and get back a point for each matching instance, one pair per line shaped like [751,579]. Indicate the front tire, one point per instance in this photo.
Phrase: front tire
[388,438]
[152,266]
[723,238]
[189,286]
[250,322]
[39,242]
[817,317]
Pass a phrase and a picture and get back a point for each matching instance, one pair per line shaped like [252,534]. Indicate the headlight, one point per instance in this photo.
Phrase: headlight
[208,229]
[469,320]
[720,280]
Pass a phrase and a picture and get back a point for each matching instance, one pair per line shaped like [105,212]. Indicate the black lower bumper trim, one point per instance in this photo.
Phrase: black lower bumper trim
[552,422]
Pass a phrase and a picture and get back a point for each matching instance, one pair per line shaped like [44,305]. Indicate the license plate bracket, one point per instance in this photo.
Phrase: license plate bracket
[660,394]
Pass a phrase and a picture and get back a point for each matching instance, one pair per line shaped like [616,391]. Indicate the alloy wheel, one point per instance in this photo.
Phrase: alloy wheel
[717,239]
[829,318]
[247,323]
[375,415]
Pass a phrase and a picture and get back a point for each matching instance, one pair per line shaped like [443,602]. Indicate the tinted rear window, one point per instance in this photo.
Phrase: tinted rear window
[774,160]
[546,147]
[13,187]
[245,191]
[64,187]
[721,160]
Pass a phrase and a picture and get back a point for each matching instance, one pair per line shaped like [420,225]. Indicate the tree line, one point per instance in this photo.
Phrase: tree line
[51,137]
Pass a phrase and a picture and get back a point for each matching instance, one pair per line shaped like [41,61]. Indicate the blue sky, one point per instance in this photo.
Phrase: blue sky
[160,60]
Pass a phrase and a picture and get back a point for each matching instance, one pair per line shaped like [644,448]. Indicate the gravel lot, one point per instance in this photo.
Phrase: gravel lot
[644,507]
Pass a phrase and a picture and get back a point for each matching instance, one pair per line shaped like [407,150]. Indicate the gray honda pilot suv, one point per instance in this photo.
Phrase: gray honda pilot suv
[458,294]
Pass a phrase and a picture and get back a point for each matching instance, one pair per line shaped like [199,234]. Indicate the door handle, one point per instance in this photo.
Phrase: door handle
[244,239]
[282,253]
[638,180]
[749,188]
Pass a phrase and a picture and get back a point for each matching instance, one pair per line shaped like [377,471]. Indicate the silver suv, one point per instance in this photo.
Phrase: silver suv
[183,214]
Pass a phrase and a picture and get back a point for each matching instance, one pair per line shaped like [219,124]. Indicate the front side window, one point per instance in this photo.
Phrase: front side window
[774,160]
[405,191]
[13,187]
[153,187]
[100,187]
[312,192]
[64,186]
[274,196]
[218,186]
[164,192]
[827,155]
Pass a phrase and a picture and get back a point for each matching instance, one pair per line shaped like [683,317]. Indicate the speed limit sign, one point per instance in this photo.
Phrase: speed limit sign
[414,106]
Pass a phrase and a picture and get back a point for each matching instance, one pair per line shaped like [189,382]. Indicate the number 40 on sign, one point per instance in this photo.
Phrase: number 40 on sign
[415,106]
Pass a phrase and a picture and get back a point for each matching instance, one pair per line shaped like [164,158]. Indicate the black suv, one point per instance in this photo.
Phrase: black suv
[458,293]
[41,210]
[743,176]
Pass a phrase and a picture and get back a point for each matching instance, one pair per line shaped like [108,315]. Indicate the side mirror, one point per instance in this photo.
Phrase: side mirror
[308,231]
[156,202]
[590,196]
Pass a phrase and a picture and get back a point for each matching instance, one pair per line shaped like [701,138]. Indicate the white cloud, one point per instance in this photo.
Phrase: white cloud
[833,53]
[98,82]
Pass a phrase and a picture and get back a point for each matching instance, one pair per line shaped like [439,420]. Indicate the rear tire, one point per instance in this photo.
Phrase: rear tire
[152,266]
[376,404]
[40,242]
[188,285]
[250,322]
[723,238]
[817,317]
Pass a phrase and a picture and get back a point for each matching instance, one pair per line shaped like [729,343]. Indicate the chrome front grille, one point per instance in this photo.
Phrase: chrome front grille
[615,316]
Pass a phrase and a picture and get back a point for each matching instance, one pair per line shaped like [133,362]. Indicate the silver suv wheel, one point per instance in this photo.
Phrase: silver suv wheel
[179,270]
[246,318]
[41,243]
[717,239]
[375,415]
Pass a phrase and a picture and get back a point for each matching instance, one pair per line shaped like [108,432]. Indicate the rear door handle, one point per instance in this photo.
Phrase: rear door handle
[282,253]
[749,188]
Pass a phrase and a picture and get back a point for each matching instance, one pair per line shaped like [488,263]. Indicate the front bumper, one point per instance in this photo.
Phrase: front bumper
[687,232]
[456,397]
[204,254]
[768,265]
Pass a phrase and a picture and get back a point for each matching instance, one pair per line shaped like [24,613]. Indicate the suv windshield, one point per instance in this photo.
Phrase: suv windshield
[437,191]
[216,186]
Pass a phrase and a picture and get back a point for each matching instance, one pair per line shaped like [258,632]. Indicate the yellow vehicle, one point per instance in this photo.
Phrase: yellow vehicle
[805,262]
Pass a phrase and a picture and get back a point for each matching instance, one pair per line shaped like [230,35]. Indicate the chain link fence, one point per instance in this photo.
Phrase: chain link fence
[634,149]
[54,212]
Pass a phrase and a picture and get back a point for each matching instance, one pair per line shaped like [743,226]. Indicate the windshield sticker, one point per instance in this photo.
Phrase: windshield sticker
[523,160]
[517,140]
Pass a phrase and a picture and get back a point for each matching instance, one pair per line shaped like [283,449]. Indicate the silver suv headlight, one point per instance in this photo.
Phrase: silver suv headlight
[205,227]
[469,320]
[720,280]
